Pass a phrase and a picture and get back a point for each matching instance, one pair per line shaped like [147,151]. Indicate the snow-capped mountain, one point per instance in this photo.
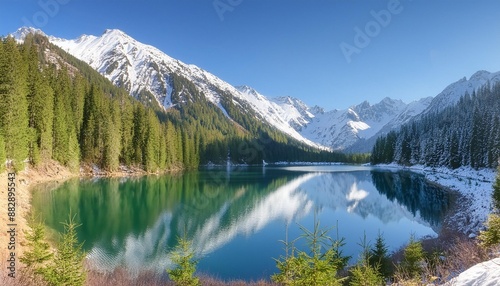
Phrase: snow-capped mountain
[139,67]
[452,93]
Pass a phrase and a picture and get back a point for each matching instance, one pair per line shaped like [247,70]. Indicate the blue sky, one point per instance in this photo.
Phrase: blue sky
[412,49]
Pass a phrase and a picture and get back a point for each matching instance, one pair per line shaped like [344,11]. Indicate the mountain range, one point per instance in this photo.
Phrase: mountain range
[140,68]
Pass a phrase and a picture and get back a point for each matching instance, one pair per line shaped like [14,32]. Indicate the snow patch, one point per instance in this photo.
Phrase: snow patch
[482,274]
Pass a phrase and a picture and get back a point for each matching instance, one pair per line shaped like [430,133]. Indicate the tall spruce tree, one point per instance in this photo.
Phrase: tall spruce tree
[496,193]
[152,143]
[379,257]
[64,135]
[40,108]
[112,146]
[38,250]
[13,103]
[67,266]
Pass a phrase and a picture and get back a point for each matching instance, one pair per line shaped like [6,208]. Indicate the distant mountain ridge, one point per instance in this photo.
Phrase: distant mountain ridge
[139,67]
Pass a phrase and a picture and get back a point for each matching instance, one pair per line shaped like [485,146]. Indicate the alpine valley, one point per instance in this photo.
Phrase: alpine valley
[152,76]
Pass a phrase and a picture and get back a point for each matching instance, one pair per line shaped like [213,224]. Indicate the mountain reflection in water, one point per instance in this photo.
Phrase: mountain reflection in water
[236,217]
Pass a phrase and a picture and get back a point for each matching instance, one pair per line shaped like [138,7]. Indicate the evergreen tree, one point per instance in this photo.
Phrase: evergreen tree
[127,131]
[379,256]
[183,258]
[67,266]
[491,236]
[364,273]
[412,265]
[139,135]
[313,268]
[79,89]
[38,250]
[112,128]
[496,193]
[152,143]
[40,109]
[13,103]
[65,142]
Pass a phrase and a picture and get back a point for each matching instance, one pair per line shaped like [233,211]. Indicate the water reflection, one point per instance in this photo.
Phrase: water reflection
[231,216]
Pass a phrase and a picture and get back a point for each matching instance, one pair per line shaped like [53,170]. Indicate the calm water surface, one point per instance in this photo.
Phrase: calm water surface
[236,217]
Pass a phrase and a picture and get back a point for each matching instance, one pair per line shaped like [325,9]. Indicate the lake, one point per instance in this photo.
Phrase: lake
[236,216]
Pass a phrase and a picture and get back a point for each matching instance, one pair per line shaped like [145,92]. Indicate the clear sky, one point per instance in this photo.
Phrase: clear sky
[327,52]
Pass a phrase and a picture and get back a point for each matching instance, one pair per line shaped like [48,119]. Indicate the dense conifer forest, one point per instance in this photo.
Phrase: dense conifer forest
[466,134]
[54,106]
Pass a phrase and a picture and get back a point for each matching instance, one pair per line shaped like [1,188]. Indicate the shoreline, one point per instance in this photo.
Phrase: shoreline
[25,181]
[473,187]
[463,220]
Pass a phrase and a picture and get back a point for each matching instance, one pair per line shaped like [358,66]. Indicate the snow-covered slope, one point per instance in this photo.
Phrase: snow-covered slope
[452,93]
[483,274]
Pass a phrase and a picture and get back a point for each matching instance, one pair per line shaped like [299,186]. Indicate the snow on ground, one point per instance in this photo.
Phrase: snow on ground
[483,274]
[475,186]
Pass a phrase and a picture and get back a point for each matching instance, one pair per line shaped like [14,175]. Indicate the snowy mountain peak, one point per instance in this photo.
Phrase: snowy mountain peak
[22,32]
[453,92]
[246,89]
[114,32]
[482,74]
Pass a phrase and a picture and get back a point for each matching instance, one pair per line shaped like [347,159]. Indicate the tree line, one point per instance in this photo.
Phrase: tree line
[466,134]
[51,111]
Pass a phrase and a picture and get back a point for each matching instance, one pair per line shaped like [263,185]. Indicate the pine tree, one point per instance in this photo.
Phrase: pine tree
[364,273]
[314,268]
[64,135]
[13,103]
[491,236]
[112,136]
[38,250]
[379,256]
[152,143]
[127,131]
[412,265]
[77,101]
[496,193]
[183,258]
[139,135]
[67,266]
[40,110]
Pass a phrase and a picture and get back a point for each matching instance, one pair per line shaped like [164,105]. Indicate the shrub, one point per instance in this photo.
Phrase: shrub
[491,236]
